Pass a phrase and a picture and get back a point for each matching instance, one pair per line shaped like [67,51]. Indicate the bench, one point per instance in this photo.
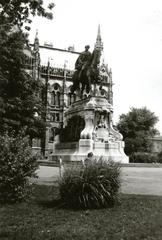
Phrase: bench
[66,164]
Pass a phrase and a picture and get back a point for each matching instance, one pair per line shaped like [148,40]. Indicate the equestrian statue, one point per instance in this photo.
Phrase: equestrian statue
[86,70]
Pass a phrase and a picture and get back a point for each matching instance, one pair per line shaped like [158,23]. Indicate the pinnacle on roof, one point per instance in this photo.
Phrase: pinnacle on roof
[99,43]
[99,33]
[36,35]
[36,41]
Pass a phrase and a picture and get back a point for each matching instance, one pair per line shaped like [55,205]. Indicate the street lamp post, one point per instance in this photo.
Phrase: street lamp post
[43,140]
[64,84]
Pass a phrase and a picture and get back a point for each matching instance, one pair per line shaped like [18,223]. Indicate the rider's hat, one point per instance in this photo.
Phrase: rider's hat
[87,46]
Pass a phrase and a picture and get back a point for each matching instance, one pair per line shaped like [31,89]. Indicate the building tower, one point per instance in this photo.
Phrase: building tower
[36,57]
[99,43]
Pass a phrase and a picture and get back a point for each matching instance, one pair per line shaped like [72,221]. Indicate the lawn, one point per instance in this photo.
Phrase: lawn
[138,217]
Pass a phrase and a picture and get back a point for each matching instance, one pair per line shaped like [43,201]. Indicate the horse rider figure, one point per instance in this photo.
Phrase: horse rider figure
[82,60]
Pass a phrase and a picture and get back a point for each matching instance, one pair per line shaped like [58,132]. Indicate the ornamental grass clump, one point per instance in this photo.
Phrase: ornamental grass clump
[17,164]
[94,185]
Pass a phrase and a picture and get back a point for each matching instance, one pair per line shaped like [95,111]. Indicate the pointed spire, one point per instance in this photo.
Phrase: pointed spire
[36,35]
[99,33]
[99,43]
[36,41]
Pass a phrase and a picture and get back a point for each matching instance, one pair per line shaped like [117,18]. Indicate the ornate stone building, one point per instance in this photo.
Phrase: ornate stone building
[55,67]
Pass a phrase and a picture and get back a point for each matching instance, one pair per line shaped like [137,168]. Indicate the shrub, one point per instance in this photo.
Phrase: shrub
[142,157]
[17,164]
[159,157]
[95,185]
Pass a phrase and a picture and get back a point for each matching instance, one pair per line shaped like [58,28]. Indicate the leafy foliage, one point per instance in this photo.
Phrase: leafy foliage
[18,89]
[95,185]
[16,12]
[19,101]
[17,164]
[143,157]
[159,157]
[137,128]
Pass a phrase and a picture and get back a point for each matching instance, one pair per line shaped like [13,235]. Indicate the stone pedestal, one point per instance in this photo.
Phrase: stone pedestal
[98,135]
[85,146]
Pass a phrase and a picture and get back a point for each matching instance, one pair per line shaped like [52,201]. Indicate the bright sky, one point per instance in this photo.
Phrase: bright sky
[131,31]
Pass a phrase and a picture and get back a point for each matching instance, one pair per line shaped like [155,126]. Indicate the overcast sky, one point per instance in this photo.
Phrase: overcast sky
[131,31]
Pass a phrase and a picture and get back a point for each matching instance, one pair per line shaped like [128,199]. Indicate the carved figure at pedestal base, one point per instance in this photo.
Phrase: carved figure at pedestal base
[101,130]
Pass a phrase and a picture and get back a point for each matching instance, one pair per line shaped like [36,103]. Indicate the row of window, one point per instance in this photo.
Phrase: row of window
[55,117]
[56,71]
[53,132]
[55,98]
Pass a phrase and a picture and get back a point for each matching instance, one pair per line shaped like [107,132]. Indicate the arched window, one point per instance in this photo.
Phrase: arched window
[52,98]
[55,95]
[57,99]
[71,98]
[52,117]
[53,132]
[51,135]
[55,117]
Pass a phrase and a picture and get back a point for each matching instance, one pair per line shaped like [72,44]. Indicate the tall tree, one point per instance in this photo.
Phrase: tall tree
[17,12]
[19,102]
[137,128]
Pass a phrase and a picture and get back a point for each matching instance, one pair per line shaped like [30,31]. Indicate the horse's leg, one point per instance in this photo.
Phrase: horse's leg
[75,82]
[82,90]
[88,86]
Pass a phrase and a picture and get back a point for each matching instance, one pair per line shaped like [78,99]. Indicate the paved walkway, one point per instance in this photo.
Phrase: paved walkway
[137,180]
[47,175]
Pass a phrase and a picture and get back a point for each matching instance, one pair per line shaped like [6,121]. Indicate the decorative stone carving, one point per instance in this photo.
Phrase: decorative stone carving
[101,130]
[96,135]
[113,132]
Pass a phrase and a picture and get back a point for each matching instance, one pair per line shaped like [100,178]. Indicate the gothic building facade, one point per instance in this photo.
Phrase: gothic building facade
[54,68]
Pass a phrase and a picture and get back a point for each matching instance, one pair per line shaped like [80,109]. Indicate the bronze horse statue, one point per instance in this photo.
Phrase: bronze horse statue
[89,74]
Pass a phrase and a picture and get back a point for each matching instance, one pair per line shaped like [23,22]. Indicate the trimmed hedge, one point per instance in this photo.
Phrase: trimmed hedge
[142,157]
[159,157]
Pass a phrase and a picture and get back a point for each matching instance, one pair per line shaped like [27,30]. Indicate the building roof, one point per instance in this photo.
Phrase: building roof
[57,57]
[157,138]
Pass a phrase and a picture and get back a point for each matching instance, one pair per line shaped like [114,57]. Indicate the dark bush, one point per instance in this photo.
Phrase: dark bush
[17,164]
[95,185]
[159,157]
[142,157]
